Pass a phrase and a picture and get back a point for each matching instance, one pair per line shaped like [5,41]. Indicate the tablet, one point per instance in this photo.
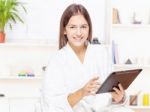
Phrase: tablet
[125,77]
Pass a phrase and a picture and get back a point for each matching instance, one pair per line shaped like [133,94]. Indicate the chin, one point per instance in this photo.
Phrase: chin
[78,44]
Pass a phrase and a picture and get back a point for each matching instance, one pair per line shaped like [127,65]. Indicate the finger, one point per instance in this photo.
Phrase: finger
[117,90]
[118,93]
[95,78]
[93,91]
[120,87]
[95,83]
[114,95]
[94,87]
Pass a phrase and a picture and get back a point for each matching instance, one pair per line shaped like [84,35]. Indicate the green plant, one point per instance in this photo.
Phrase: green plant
[9,13]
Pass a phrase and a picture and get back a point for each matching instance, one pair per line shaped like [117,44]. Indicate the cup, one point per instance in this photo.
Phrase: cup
[133,99]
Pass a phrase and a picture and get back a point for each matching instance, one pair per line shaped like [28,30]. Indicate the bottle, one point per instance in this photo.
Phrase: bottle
[145,99]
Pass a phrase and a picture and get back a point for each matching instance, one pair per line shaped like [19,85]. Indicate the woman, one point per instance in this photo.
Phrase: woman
[77,70]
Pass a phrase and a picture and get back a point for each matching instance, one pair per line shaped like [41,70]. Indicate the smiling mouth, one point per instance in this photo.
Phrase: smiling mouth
[78,38]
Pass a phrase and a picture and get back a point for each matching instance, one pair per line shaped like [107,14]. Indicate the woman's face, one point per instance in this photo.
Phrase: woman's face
[77,30]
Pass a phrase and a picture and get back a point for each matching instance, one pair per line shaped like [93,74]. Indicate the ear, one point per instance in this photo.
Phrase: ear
[65,32]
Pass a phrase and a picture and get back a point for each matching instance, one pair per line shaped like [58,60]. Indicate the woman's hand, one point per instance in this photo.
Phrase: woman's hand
[118,94]
[91,87]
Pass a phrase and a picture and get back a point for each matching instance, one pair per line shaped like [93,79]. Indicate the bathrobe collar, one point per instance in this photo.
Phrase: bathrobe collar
[74,56]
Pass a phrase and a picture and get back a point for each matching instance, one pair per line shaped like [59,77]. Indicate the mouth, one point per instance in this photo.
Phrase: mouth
[77,38]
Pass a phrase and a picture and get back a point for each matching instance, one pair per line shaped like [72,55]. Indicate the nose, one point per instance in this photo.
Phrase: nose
[78,32]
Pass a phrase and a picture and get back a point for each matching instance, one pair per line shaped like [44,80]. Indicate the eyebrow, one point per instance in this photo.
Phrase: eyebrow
[76,25]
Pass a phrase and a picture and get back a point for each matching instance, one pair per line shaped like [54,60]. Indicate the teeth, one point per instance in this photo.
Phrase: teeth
[77,38]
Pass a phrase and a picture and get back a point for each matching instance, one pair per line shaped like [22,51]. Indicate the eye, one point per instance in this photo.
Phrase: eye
[72,27]
[84,27]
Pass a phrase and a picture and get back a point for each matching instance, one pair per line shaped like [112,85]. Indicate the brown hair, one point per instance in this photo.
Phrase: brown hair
[70,11]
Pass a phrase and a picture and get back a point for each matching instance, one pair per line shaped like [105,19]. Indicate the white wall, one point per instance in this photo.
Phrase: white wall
[43,16]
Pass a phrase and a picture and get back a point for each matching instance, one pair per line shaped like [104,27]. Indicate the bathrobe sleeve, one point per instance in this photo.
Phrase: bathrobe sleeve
[54,92]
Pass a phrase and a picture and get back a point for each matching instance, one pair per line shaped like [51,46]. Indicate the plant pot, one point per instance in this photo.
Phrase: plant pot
[2,37]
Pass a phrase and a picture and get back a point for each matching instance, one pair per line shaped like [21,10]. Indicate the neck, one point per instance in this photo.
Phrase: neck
[79,49]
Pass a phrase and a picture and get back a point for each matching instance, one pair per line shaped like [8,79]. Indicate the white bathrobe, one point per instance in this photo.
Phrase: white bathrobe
[65,74]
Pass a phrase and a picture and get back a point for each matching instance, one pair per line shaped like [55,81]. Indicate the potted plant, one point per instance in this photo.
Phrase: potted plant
[9,14]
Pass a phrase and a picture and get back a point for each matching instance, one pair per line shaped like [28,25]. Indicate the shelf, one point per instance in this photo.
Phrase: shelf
[139,107]
[131,26]
[20,78]
[20,97]
[131,66]
[28,45]
[146,68]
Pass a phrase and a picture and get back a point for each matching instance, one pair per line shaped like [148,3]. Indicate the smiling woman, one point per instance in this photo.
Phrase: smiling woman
[75,72]
[72,29]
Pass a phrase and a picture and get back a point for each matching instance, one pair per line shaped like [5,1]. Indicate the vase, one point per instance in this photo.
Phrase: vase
[2,37]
